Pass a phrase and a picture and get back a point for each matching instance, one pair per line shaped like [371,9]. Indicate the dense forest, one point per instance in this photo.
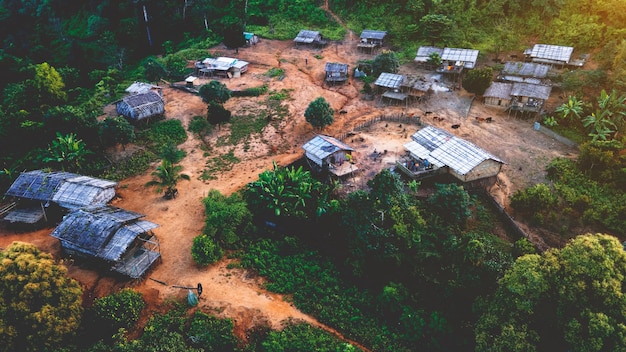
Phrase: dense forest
[388,269]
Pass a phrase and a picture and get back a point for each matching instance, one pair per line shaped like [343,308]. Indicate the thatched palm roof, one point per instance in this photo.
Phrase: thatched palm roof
[38,184]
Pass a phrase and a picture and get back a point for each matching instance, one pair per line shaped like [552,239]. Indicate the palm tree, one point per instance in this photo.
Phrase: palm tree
[167,176]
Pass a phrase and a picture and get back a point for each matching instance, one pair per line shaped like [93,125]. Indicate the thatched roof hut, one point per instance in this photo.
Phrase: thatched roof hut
[371,39]
[141,106]
[111,236]
[498,94]
[308,37]
[36,190]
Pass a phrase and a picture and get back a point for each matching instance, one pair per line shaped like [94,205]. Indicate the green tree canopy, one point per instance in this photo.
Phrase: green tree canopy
[214,91]
[217,114]
[319,113]
[477,81]
[435,28]
[227,218]
[387,61]
[116,130]
[569,299]
[40,306]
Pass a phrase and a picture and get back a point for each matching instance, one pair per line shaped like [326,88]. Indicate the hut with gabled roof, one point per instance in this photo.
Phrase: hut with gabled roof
[392,84]
[526,72]
[498,94]
[527,97]
[434,151]
[112,237]
[141,106]
[142,87]
[308,37]
[549,54]
[371,39]
[40,192]
[424,54]
[327,154]
[336,72]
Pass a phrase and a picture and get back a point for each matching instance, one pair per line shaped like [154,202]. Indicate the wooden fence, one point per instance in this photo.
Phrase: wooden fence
[399,118]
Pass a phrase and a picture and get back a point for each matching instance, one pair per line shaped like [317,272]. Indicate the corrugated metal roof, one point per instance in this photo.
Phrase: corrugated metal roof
[499,90]
[423,53]
[306,36]
[373,34]
[390,80]
[322,146]
[141,87]
[336,67]
[104,232]
[38,184]
[527,69]
[552,52]
[223,63]
[531,90]
[141,99]
[520,79]
[444,149]
[467,56]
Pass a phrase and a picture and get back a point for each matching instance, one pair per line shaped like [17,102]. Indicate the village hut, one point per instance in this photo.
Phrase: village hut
[391,84]
[223,67]
[141,106]
[336,72]
[433,151]
[38,194]
[498,94]
[327,154]
[251,38]
[553,55]
[142,87]
[455,59]
[417,88]
[307,37]
[527,97]
[191,81]
[424,54]
[527,72]
[111,237]
[371,39]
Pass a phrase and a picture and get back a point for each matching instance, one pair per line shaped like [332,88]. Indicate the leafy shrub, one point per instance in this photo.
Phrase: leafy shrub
[121,309]
[205,251]
[304,337]
[136,164]
[226,218]
[211,333]
[251,92]
[171,153]
[451,202]
[534,199]
[275,72]
[168,131]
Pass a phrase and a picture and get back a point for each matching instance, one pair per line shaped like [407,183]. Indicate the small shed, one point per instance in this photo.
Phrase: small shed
[38,192]
[142,87]
[336,72]
[307,37]
[251,38]
[440,150]
[417,88]
[223,67]
[549,54]
[191,81]
[112,237]
[392,83]
[424,54]
[526,97]
[498,94]
[371,39]
[324,153]
[141,106]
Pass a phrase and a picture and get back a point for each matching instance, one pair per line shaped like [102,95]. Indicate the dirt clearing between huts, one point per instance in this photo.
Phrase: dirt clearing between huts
[236,293]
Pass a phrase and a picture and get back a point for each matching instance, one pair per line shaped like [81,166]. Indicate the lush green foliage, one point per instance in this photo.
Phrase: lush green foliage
[165,178]
[67,153]
[116,130]
[205,250]
[319,113]
[217,114]
[138,163]
[304,337]
[171,153]
[227,218]
[211,333]
[214,91]
[477,81]
[40,305]
[568,299]
[121,309]
[451,203]
[168,131]
[387,61]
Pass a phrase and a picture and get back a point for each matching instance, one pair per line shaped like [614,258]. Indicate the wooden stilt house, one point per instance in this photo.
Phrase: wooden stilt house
[327,154]
[336,72]
[110,237]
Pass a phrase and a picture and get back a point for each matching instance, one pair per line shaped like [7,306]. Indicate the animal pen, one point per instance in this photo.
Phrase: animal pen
[110,237]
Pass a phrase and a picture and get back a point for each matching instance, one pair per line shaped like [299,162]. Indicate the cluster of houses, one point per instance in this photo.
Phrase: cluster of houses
[90,229]
[430,152]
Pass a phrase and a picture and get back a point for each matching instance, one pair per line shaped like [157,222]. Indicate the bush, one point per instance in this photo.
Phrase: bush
[211,333]
[168,131]
[534,199]
[120,310]
[205,251]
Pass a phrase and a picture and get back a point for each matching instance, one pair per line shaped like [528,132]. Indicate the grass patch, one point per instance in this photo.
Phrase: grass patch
[221,163]
[283,94]
[275,72]
[242,126]
[136,164]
